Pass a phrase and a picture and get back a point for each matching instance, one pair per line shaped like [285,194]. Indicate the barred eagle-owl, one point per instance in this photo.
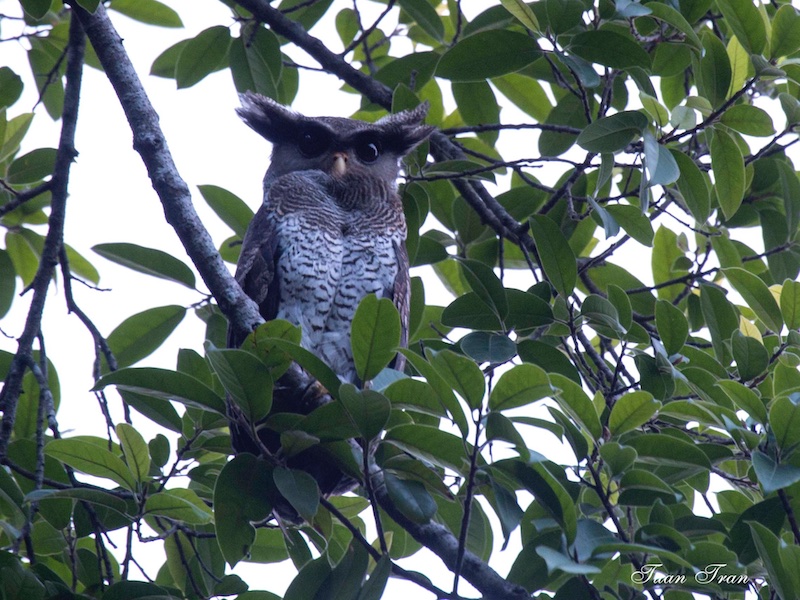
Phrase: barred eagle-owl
[331,228]
[329,232]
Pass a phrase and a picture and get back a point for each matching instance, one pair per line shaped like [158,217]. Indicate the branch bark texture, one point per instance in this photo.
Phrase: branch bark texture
[150,143]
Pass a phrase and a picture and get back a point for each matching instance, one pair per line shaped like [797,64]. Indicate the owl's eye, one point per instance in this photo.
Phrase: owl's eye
[313,142]
[368,150]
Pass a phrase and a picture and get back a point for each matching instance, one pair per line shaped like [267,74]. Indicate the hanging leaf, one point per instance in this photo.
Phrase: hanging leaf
[557,259]
[501,52]
[147,260]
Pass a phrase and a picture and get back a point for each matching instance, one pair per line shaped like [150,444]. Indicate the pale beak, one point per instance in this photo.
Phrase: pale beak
[339,167]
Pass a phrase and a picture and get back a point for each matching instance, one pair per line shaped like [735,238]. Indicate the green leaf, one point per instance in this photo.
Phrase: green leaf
[721,318]
[519,386]
[246,379]
[522,12]
[577,404]
[567,112]
[165,384]
[300,489]
[462,374]
[632,410]
[611,134]
[368,409]
[477,105]
[158,448]
[375,335]
[91,459]
[202,55]
[526,93]
[633,222]
[785,38]
[729,176]
[36,8]
[556,561]
[601,315]
[141,334]
[8,283]
[179,505]
[10,88]
[752,359]
[790,302]
[693,187]
[411,498]
[784,419]
[665,450]
[771,475]
[620,301]
[745,399]
[89,5]
[501,52]
[165,63]
[610,49]
[431,444]
[470,312]
[31,167]
[147,260]
[745,21]
[151,12]
[135,450]
[757,295]
[443,390]
[660,164]
[494,348]
[548,490]
[425,16]
[769,548]
[229,207]
[374,587]
[749,120]
[556,257]
[713,70]
[666,13]
[93,496]
[483,281]
[617,457]
[309,361]
[310,580]
[241,496]
[673,328]
[257,65]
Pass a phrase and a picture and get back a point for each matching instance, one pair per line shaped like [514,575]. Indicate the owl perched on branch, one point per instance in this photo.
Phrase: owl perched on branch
[330,231]
[331,228]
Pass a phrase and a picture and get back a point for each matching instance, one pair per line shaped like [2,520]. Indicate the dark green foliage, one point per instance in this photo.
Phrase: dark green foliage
[611,374]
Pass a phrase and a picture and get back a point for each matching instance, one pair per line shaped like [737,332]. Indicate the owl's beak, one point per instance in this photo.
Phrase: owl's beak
[339,166]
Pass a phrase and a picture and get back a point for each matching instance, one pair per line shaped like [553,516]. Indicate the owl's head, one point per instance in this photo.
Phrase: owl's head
[342,148]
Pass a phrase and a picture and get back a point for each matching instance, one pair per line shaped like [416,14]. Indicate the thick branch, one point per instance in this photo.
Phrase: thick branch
[149,142]
[55,234]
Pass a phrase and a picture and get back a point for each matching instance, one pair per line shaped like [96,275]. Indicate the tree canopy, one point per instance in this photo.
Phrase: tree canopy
[611,384]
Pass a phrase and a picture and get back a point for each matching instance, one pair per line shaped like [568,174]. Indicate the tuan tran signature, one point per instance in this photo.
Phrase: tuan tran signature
[712,573]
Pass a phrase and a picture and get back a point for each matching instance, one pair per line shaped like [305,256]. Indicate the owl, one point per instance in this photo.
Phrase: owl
[331,229]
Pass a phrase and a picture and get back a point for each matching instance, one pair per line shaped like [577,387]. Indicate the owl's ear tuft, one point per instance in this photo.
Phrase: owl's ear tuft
[405,129]
[266,117]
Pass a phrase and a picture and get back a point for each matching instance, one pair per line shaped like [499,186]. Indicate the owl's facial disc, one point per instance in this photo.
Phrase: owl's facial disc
[339,166]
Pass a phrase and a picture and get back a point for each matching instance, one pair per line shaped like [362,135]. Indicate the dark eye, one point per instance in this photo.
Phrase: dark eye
[313,142]
[368,151]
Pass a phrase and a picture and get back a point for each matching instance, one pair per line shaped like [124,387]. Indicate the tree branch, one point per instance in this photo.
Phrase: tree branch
[149,142]
[55,234]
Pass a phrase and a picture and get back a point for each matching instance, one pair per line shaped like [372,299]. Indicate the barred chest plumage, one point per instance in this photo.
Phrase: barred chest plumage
[331,256]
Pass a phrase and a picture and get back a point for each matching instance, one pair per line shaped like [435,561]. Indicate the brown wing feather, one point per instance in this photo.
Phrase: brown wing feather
[401,296]
[255,270]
